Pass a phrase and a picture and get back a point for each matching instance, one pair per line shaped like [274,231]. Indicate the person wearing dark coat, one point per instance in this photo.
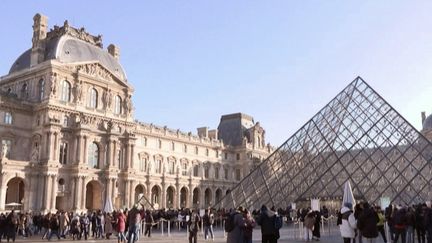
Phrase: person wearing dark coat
[317,226]
[419,223]
[367,223]
[266,220]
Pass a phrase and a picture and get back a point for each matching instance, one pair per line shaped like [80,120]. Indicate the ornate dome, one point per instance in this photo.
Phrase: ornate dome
[69,45]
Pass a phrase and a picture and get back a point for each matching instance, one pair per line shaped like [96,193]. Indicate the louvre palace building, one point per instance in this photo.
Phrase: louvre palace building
[69,140]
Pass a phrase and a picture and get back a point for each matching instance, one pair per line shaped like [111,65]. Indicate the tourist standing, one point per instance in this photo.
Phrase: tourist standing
[308,224]
[248,226]
[419,223]
[108,226]
[367,223]
[348,223]
[400,223]
[266,220]
[317,226]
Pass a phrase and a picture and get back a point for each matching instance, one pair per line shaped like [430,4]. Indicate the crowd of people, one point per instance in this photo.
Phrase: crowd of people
[365,223]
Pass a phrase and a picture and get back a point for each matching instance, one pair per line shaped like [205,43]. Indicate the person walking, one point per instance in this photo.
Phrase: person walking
[266,219]
[308,224]
[367,223]
[419,223]
[149,221]
[121,227]
[380,224]
[317,226]
[348,223]
[208,220]
[193,224]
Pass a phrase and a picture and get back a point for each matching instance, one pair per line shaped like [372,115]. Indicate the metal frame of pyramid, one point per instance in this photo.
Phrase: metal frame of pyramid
[357,136]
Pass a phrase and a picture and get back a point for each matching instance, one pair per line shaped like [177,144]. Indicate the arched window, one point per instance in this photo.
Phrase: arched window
[143,163]
[7,118]
[117,105]
[216,172]
[93,155]
[65,91]
[120,159]
[63,153]
[41,87]
[93,98]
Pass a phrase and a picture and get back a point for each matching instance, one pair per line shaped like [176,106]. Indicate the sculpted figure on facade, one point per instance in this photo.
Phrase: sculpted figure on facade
[78,91]
[128,104]
[53,85]
[107,98]
[35,152]
[4,150]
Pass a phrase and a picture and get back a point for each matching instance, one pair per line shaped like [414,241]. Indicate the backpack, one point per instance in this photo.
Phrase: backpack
[229,223]
[339,218]
[278,222]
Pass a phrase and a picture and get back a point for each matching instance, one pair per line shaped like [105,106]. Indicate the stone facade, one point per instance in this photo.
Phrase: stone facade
[70,141]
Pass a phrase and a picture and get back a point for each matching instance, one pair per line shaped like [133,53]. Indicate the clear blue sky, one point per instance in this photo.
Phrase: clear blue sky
[279,61]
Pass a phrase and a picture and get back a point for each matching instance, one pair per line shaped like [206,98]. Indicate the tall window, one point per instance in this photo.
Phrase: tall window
[63,153]
[206,172]
[159,143]
[171,167]
[172,146]
[196,150]
[226,173]
[196,170]
[7,144]
[185,148]
[216,172]
[184,169]
[65,91]
[41,87]
[93,98]
[207,152]
[93,155]
[65,121]
[8,118]
[117,105]
[238,174]
[143,164]
[120,159]
[24,90]
[158,168]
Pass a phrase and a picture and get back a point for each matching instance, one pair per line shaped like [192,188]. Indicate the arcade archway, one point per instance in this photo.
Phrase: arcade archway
[94,195]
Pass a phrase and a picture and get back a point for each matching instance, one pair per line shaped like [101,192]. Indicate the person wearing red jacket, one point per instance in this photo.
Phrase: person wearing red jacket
[121,227]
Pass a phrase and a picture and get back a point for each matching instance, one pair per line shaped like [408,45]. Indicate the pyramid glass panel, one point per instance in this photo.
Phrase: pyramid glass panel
[358,137]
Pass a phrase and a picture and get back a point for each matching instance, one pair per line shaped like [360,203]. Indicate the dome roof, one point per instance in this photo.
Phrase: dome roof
[68,49]
[427,124]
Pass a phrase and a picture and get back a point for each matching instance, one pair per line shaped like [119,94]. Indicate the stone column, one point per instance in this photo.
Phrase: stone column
[177,202]
[53,192]
[45,192]
[163,201]
[109,153]
[85,151]
[132,148]
[28,192]
[115,190]
[73,197]
[48,146]
[126,194]
[55,147]
[3,187]
[78,149]
[127,161]
[83,193]
[131,194]
[114,154]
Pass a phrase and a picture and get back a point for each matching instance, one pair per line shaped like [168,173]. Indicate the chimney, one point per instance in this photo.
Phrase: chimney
[203,132]
[423,116]
[40,27]
[114,51]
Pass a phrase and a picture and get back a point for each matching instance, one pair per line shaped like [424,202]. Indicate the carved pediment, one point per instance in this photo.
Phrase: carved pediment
[98,71]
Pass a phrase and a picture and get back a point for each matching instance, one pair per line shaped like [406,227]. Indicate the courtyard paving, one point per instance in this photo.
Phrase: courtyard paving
[288,234]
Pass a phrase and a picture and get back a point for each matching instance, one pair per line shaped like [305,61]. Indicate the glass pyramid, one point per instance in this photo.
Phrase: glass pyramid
[358,137]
